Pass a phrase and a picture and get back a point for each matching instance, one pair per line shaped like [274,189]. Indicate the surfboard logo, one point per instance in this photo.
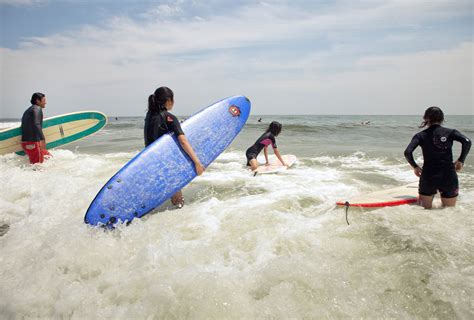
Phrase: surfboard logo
[234,111]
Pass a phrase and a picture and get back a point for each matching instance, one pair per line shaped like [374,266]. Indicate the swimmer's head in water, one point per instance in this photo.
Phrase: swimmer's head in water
[432,115]
[274,128]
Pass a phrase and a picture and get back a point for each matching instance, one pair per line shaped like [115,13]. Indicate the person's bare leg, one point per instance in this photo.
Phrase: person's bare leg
[177,199]
[449,202]
[253,164]
[426,201]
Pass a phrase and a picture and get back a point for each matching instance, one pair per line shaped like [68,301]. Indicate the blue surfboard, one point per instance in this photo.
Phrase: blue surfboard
[163,168]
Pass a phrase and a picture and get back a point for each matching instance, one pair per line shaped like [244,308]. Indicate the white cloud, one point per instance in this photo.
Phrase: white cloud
[164,12]
[114,66]
[405,84]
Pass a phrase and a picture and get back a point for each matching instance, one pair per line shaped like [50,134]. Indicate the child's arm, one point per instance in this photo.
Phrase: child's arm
[277,153]
[265,152]
[183,141]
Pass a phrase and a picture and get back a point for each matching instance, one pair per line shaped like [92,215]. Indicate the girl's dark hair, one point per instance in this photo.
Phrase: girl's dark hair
[432,115]
[274,128]
[156,101]
[36,96]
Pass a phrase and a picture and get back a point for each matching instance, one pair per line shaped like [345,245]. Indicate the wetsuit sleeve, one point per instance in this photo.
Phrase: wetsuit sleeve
[415,142]
[37,123]
[173,124]
[274,144]
[465,142]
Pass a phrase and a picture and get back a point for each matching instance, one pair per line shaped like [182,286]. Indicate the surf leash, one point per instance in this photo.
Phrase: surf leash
[347,209]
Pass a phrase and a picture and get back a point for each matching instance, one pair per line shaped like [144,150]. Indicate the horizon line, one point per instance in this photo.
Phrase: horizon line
[269,115]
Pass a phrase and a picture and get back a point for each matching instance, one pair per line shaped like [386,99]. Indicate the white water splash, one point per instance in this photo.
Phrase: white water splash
[243,247]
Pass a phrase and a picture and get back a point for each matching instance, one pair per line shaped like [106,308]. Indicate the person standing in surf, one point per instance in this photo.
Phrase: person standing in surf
[438,172]
[32,137]
[266,139]
[160,121]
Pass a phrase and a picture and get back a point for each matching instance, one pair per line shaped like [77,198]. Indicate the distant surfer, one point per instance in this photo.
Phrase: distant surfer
[259,120]
[160,121]
[32,137]
[439,171]
[266,139]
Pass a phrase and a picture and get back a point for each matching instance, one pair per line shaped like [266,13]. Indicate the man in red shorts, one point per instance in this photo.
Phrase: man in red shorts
[32,138]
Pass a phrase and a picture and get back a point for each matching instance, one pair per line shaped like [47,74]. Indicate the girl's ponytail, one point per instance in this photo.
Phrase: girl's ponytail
[157,101]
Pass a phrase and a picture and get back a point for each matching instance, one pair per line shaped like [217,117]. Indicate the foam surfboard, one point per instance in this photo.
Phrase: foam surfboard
[163,168]
[385,198]
[275,164]
[58,130]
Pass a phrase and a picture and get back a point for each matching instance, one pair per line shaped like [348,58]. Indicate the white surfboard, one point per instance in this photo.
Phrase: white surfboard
[385,198]
[276,165]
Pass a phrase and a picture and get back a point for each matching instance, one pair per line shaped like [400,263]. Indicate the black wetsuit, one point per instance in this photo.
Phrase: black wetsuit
[158,124]
[265,139]
[438,168]
[32,124]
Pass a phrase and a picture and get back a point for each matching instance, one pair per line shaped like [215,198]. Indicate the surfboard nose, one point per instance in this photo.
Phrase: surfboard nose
[244,105]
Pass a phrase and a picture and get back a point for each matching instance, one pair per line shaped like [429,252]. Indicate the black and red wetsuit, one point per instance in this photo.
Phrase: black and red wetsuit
[265,139]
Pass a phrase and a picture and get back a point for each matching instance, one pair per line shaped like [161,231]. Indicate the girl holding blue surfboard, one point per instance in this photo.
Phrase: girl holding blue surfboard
[160,121]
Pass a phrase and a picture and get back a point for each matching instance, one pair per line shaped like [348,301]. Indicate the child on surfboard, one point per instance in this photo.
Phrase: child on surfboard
[266,139]
[160,121]
[439,171]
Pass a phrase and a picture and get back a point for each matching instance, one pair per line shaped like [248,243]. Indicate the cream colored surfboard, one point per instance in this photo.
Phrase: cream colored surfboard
[58,130]
[275,164]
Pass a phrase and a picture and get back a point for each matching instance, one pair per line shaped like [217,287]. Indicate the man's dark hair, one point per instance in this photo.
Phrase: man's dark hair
[36,96]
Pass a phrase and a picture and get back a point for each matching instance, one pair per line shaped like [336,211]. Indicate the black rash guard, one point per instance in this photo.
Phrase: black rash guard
[32,124]
[265,140]
[436,144]
[160,123]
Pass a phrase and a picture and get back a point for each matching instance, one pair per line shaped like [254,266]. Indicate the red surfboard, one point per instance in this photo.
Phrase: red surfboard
[385,198]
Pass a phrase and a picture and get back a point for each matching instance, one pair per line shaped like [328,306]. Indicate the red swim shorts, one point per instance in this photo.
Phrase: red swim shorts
[34,151]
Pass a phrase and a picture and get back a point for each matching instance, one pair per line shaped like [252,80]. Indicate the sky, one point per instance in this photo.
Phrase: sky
[288,57]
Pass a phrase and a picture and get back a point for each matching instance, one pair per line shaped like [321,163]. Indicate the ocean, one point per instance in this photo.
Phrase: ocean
[243,247]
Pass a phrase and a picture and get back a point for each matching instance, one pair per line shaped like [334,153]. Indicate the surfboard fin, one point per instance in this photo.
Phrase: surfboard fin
[347,209]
